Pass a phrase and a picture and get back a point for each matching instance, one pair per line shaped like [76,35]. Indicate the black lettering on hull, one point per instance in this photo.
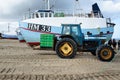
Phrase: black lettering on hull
[37,27]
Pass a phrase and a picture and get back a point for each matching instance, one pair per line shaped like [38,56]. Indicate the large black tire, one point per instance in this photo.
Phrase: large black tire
[66,48]
[105,53]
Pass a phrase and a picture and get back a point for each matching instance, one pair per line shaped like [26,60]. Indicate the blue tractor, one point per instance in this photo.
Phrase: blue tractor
[72,40]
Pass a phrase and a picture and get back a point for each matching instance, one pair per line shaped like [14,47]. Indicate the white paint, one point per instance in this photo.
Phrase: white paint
[86,22]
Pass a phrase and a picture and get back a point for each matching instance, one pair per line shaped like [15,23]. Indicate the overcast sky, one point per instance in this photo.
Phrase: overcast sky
[12,10]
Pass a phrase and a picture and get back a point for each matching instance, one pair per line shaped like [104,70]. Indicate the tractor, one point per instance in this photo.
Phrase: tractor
[72,40]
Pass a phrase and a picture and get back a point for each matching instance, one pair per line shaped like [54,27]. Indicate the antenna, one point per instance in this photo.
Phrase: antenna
[76,4]
[52,7]
[53,4]
[29,12]
[8,27]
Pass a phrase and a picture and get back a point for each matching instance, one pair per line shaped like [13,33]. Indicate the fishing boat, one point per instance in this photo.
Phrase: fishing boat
[49,21]
[9,35]
[8,32]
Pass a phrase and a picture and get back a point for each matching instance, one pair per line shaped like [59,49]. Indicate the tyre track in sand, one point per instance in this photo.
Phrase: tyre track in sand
[114,75]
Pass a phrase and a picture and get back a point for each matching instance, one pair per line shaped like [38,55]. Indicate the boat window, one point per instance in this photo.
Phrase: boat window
[89,15]
[50,14]
[37,16]
[41,14]
[46,14]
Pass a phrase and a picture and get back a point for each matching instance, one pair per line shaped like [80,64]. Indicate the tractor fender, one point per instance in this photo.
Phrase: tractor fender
[66,36]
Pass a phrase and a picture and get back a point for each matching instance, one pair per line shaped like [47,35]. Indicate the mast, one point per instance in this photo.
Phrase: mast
[48,2]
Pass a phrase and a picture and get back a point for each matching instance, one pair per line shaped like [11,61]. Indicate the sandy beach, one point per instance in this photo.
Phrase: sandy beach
[20,62]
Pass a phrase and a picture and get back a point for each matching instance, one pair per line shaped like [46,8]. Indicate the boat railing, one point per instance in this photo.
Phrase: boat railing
[70,13]
[60,13]
[109,23]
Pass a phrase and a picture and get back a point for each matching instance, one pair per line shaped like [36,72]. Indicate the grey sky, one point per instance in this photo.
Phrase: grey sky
[14,9]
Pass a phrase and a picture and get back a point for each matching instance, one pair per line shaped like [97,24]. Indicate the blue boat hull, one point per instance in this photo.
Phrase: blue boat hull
[32,36]
[8,36]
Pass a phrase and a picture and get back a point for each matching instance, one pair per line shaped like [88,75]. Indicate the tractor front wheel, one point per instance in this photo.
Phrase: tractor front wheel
[105,53]
[66,48]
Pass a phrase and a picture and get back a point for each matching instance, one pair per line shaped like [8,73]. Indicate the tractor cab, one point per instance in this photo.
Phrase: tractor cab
[73,31]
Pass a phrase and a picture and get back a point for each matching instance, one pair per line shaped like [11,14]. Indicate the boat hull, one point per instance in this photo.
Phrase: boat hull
[32,36]
[9,36]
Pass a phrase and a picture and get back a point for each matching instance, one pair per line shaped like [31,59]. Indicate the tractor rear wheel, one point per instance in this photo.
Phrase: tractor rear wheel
[105,53]
[66,48]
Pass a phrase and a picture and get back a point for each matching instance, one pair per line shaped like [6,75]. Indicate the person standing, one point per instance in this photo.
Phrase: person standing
[114,43]
[110,42]
[0,35]
[119,45]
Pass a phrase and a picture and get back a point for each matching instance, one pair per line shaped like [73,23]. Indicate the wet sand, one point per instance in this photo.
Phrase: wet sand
[20,62]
